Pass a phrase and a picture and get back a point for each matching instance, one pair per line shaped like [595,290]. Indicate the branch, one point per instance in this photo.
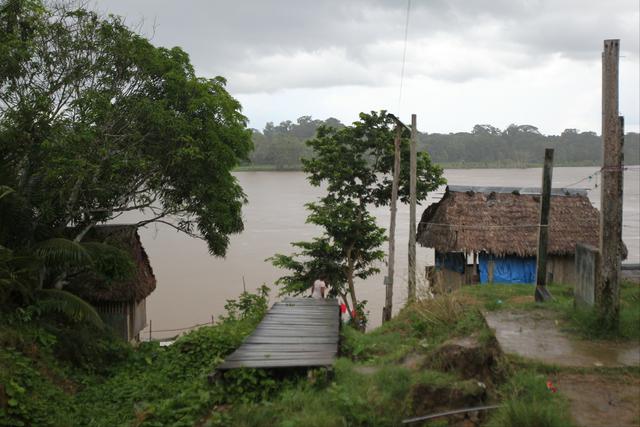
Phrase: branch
[188,233]
[84,231]
[149,221]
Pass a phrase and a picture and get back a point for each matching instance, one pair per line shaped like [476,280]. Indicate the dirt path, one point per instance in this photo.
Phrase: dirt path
[601,400]
[536,335]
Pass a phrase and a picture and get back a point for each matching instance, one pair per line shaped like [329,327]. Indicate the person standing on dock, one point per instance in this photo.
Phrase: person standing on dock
[318,289]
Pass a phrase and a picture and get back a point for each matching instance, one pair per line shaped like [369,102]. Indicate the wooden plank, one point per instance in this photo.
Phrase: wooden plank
[300,330]
[314,301]
[296,320]
[326,347]
[313,306]
[324,325]
[301,324]
[276,363]
[280,356]
[291,340]
[267,330]
[302,313]
[310,323]
[286,333]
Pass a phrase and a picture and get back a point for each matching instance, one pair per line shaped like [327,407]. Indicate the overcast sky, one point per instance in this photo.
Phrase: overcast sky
[467,62]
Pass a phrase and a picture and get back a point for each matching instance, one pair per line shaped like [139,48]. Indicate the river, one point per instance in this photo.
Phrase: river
[193,286]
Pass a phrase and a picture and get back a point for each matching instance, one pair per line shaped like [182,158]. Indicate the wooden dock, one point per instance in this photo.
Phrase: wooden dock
[296,332]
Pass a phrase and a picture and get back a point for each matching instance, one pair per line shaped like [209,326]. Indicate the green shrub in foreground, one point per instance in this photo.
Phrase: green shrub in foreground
[529,403]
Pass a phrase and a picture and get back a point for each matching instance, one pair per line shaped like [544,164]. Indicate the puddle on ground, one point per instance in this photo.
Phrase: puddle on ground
[536,335]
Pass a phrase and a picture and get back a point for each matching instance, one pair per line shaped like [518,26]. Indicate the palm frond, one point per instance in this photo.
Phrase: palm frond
[10,287]
[17,276]
[4,191]
[59,252]
[69,305]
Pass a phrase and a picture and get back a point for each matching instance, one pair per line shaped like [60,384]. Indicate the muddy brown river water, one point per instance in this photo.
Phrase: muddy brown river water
[193,286]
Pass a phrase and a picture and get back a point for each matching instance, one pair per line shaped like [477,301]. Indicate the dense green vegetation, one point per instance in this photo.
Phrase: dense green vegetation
[394,372]
[281,147]
[53,373]
[95,121]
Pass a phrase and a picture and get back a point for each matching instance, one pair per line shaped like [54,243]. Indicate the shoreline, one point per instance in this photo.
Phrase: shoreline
[479,165]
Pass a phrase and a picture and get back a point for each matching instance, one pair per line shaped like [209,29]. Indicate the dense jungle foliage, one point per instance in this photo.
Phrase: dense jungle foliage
[282,146]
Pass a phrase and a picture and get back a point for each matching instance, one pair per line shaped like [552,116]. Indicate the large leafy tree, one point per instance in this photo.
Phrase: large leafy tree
[355,163]
[95,121]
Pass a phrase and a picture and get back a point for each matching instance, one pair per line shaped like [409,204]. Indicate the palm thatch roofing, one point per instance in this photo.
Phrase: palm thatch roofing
[138,286]
[504,221]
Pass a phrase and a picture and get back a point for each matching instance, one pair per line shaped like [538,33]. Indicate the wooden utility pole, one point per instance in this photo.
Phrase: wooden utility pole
[411,292]
[542,293]
[388,303]
[607,295]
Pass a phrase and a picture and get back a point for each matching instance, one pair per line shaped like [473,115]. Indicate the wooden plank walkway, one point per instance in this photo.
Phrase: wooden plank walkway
[296,332]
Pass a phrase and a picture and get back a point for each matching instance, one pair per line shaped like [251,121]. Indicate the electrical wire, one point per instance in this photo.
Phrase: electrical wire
[404,54]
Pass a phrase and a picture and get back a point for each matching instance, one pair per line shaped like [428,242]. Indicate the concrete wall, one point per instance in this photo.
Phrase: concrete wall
[587,273]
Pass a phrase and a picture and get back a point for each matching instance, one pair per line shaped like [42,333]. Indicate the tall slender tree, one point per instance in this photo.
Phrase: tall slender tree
[355,164]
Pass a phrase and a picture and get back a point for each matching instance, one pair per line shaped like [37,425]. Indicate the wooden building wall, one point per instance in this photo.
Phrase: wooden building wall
[127,319]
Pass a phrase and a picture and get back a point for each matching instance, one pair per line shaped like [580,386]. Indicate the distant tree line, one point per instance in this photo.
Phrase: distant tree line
[282,146]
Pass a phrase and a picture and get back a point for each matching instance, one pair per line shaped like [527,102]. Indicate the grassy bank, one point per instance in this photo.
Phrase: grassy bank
[434,356]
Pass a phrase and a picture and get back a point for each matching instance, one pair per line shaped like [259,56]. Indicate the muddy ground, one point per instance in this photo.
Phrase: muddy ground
[602,400]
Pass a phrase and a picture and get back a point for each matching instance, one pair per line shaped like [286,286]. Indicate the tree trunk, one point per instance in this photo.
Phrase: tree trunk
[352,289]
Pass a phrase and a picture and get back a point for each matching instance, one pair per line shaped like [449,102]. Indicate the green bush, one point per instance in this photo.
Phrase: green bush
[528,414]
[56,373]
[528,402]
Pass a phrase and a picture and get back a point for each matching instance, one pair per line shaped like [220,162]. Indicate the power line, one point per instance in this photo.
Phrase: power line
[632,168]
[404,53]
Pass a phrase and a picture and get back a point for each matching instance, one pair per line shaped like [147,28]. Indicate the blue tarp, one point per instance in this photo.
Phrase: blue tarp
[509,269]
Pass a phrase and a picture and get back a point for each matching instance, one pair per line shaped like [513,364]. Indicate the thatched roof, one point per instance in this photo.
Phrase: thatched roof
[502,221]
[139,286]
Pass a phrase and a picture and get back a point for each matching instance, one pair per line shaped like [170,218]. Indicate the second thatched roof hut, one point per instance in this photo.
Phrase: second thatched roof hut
[120,303]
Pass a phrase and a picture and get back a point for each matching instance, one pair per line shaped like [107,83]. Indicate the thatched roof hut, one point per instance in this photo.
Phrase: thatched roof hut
[96,290]
[504,221]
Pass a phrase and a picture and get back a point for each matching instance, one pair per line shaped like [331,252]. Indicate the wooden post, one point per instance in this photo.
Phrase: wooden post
[542,293]
[474,275]
[150,323]
[607,296]
[411,294]
[388,306]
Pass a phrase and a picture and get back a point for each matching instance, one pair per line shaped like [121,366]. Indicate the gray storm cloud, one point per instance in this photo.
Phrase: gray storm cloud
[267,46]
